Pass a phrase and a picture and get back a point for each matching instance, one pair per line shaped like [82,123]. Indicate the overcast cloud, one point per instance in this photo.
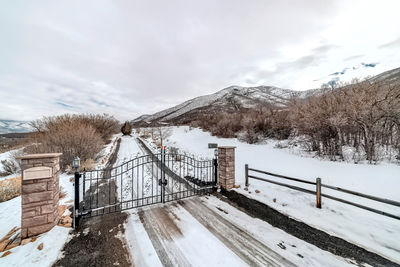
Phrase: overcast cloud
[127,58]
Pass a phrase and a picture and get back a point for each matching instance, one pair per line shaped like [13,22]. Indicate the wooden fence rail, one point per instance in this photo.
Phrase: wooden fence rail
[318,193]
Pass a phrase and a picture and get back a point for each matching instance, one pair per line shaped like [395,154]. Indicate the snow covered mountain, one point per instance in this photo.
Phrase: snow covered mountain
[11,126]
[233,98]
[236,98]
[141,118]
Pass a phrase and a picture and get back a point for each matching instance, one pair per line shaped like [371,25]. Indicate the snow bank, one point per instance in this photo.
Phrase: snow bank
[30,255]
[378,180]
[10,215]
[372,231]
[296,250]
[53,241]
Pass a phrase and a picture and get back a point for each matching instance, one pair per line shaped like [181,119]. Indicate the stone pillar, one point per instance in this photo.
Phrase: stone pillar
[226,167]
[40,193]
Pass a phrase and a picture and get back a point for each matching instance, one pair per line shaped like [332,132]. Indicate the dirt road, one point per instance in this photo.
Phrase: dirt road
[162,224]
[99,241]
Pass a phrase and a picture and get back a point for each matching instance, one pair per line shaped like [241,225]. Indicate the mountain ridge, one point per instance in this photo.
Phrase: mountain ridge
[234,98]
[230,99]
[13,126]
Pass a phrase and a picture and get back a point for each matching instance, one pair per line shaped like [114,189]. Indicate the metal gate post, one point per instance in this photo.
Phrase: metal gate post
[246,174]
[76,202]
[163,174]
[216,171]
[76,164]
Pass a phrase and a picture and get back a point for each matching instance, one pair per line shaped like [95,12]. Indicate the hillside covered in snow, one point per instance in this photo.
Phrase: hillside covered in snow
[12,126]
[237,98]
[231,99]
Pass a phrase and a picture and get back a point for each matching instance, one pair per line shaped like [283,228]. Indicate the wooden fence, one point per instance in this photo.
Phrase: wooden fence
[318,193]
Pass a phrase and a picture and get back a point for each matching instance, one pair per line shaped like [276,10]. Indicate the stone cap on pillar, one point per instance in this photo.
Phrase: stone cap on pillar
[40,156]
[226,147]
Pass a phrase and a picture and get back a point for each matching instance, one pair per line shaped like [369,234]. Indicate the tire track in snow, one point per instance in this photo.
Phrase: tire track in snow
[162,231]
[249,249]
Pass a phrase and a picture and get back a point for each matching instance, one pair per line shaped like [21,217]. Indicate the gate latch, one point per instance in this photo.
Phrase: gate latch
[160,182]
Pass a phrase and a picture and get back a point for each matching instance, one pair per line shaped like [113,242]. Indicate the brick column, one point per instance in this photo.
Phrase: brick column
[40,193]
[226,167]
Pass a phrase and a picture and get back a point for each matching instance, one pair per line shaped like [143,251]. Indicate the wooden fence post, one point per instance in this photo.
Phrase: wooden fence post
[246,168]
[318,182]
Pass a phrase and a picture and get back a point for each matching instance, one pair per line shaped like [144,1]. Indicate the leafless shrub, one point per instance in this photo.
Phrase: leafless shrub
[364,115]
[161,134]
[88,165]
[9,167]
[10,188]
[71,137]
[173,150]
[104,124]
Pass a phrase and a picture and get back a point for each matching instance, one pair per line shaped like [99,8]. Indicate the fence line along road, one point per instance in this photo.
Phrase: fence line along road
[318,186]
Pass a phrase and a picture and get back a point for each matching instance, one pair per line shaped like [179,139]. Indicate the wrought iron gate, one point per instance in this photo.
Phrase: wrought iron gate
[144,180]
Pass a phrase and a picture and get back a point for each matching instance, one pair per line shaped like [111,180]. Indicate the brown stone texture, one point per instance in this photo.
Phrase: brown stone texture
[226,167]
[39,196]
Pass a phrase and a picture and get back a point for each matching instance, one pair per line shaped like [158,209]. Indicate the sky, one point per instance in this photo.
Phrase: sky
[128,58]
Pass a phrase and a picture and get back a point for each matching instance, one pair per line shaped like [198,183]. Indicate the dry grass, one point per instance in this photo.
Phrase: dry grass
[88,165]
[62,193]
[12,141]
[10,188]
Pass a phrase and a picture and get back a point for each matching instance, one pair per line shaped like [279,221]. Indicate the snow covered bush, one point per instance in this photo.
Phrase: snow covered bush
[9,167]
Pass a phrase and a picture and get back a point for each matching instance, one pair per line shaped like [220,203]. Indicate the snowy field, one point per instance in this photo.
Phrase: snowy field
[53,241]
[374,232]
[197,244]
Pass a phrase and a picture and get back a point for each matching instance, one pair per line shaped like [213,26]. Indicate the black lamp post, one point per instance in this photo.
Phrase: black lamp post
[76,163]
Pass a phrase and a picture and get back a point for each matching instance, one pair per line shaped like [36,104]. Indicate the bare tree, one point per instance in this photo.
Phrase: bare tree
[162,133]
